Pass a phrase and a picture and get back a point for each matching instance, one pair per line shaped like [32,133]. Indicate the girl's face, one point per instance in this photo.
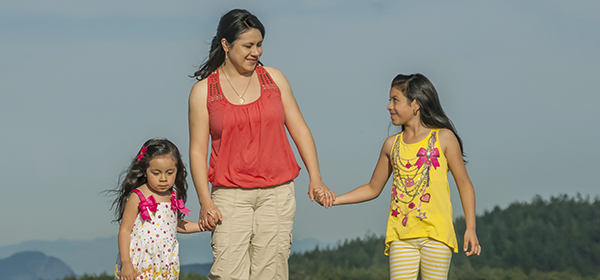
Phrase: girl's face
[401,110]
[245,52]
[161,174]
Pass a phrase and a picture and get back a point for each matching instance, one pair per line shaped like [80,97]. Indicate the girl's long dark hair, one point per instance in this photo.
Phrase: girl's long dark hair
[134,175]
[231,26]
[418,87]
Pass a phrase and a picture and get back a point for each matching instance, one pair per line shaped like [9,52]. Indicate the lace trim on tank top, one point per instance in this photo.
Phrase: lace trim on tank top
[216,95]
[265,80]
[214,90]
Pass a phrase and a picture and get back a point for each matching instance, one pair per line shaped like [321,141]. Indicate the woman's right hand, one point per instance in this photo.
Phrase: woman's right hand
[210,216]
[127,271]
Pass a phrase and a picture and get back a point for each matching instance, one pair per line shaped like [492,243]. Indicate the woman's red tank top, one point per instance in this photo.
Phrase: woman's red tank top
[249,144]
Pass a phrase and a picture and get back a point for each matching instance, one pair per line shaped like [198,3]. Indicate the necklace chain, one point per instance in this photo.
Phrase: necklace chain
[408,185]
[241,100]
[405,184]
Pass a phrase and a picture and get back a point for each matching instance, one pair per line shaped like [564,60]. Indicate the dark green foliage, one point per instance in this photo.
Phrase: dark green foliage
[550,240]
[555,239]
[467,272]
[101,276]
[354,259]
[560,235]
[192,276]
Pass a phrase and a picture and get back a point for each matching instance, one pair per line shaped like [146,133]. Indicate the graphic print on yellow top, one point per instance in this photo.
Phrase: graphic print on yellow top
[420,205]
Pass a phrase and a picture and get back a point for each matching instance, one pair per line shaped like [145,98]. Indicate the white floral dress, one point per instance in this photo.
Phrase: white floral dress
[154,249]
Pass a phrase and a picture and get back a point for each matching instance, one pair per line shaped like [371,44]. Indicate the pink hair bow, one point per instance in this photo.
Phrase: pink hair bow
[427,158]
[140,156]
[178,204]
[147,206]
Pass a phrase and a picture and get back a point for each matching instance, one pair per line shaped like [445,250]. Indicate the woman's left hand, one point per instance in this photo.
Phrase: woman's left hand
[324,196]
[472,242]
[300,133]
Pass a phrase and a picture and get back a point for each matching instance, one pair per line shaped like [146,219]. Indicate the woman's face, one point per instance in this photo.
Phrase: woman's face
[245,52]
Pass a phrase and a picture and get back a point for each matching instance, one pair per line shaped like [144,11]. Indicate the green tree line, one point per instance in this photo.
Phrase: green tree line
[556,236]
[550,239]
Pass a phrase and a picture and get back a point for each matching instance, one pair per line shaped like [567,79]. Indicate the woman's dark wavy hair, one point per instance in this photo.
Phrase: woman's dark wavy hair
[418,87]
[134,175]
[231,26]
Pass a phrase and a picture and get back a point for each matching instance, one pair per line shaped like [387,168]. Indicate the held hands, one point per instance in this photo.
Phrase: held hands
[210,216]
[321,194]
[471,239]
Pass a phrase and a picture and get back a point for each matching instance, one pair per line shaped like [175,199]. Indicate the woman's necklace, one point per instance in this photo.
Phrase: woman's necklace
[241,100]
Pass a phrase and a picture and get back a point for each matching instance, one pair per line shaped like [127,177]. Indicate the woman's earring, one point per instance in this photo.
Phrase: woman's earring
[414,112]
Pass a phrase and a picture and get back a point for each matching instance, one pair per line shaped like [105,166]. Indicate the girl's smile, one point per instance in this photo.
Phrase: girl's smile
[401,111]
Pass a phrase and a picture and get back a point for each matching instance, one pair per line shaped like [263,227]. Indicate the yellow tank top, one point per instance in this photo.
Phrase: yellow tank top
[420,205]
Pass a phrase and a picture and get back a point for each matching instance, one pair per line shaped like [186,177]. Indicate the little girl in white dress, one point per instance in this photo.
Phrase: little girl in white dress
[151,218]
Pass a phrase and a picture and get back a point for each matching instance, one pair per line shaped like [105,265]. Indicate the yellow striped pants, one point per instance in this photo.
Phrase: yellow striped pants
[408,254]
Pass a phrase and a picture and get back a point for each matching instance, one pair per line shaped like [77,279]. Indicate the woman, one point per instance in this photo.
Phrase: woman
[245,108]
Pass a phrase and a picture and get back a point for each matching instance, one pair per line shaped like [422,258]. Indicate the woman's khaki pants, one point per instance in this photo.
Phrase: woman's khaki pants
[253,241]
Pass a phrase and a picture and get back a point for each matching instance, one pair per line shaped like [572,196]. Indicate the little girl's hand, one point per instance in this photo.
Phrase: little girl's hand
[127,271]
[210,216]
[472,242]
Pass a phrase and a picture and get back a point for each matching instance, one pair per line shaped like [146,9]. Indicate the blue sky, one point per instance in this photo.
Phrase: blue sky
[85,83]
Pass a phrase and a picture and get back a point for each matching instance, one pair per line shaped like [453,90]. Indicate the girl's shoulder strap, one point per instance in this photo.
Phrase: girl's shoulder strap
[398,137]
[139,193]
[435,135]
[395,144]
[178,204]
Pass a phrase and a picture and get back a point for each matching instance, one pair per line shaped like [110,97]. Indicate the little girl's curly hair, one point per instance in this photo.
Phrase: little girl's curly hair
[134,175]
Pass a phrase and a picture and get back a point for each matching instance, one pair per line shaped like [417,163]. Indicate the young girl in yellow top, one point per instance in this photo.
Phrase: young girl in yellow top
[420,232]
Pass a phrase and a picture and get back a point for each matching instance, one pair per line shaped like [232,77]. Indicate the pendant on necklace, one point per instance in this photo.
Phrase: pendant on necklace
[241,100]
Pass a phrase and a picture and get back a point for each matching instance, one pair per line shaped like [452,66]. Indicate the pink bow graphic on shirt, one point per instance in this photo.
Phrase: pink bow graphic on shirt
[147,206]
[426,157]
[178,204]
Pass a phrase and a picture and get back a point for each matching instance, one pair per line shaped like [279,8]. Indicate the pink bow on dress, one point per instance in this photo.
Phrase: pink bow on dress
[428,157]
[178,204]
[146,206]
